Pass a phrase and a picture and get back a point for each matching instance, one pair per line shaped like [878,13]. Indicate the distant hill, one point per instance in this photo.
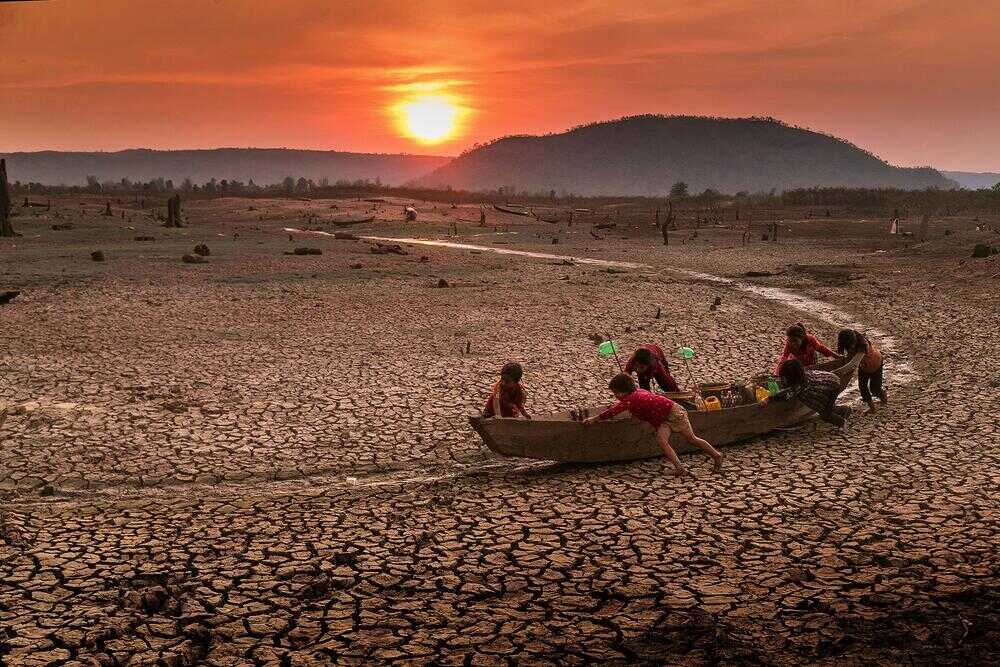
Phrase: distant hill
[264,165]
[644,155]
[973,180]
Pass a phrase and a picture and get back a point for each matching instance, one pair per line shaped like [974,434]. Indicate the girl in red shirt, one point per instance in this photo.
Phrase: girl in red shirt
[802,345]
[661,413]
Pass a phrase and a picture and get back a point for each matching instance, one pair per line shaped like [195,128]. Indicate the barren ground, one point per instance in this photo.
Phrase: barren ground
[265,457]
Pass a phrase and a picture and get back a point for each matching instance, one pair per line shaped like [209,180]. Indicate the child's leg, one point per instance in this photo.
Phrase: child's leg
[684,428]
[877,388]
[864,382]
[663,437]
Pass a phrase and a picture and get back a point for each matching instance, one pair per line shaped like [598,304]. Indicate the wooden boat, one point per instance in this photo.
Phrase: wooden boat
[514,210]
[350,222]
[556,437]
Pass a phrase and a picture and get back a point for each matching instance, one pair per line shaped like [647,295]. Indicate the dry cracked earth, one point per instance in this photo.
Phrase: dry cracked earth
[265,458]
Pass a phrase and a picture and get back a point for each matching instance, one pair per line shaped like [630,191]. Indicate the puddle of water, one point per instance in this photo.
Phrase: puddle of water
[903,372]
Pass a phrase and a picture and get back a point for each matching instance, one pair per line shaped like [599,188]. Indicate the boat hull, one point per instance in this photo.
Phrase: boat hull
[557,437]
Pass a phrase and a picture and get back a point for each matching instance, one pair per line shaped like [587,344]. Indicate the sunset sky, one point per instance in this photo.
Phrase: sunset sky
[916,82]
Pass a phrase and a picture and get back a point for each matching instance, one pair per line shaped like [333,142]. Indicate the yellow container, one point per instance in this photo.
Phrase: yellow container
[713,403]
[762,394]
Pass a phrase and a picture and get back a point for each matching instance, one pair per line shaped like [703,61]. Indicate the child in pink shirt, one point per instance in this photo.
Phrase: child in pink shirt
[802,345]
[661,413]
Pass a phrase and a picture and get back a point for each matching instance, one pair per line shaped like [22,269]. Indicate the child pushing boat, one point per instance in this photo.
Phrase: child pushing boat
[802,346]
[817,390]
[663,414]
[871,368]
[650,363]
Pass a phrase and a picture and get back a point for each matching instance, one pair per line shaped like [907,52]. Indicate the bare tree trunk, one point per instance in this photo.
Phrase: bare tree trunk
[5,227]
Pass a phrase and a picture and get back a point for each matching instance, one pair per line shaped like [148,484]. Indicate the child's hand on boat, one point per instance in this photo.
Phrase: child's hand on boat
[589,420]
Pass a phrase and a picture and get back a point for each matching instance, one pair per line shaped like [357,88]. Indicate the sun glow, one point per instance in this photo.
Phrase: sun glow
[429,119]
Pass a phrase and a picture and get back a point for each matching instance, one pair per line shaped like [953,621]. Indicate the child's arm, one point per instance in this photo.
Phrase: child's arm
[524,413]
[822,349]
[615,409]
[784,395]
[496,402]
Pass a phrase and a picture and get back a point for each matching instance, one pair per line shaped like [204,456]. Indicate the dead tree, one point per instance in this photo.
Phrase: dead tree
[5,227]
[174,211]
[667,223]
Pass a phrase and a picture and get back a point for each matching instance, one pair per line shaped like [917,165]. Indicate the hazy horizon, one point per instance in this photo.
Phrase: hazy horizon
[412,153]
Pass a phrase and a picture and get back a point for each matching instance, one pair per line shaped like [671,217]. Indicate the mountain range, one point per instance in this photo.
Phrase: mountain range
[638,155]
[262,165]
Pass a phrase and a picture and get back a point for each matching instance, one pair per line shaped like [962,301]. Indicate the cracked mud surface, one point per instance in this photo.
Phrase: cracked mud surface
[264,459]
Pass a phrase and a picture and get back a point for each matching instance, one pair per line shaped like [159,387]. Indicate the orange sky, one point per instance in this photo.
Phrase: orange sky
[915,81]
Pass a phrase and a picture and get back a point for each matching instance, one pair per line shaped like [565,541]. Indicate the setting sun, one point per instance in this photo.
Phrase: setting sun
[430,119]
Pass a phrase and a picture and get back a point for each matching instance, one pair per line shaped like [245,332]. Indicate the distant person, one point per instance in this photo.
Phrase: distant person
[871,368]
[661,413]
[802,346]
[817,390]
[507,397]
[649,363]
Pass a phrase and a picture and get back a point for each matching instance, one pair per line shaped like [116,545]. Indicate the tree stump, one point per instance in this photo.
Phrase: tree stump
[174,211]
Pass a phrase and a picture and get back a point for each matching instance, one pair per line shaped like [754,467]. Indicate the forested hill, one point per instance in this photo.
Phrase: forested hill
[645,155]
[264,166]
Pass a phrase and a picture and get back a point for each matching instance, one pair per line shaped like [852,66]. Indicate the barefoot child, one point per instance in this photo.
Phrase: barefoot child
[817,390]
[661,413]
[851,342]
[650,363]
[507,397]
[802,345]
